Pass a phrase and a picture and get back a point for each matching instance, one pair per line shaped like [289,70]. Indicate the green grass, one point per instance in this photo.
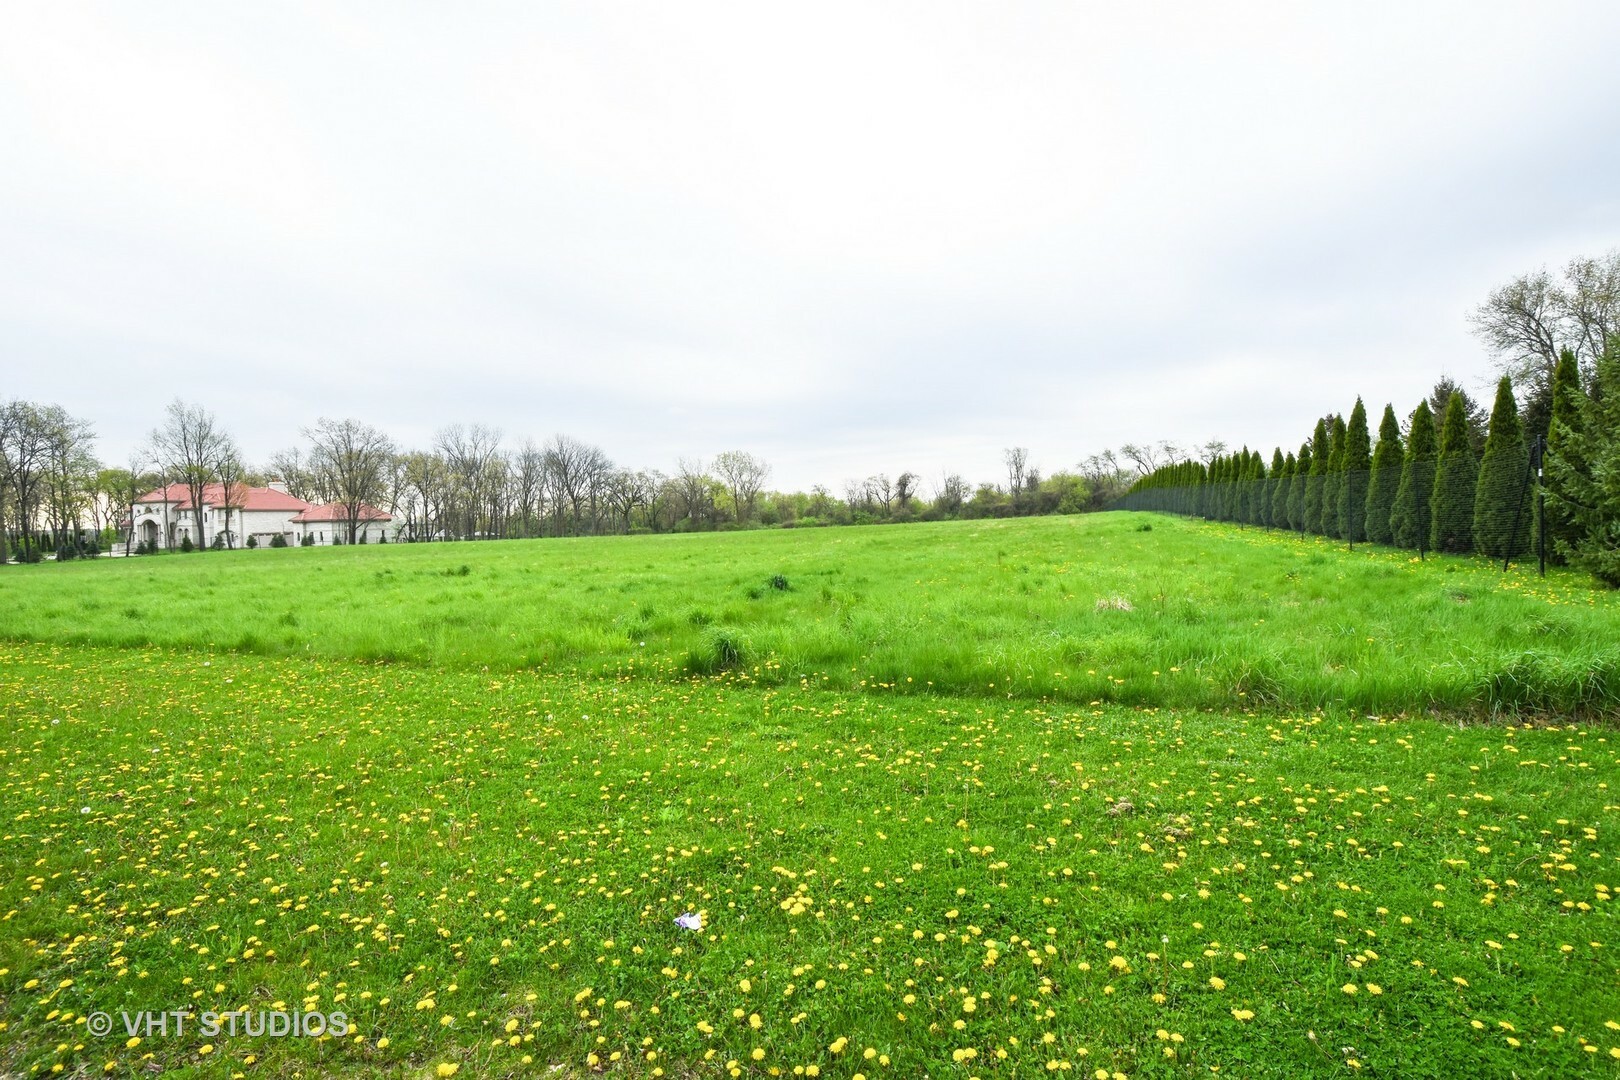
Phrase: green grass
[1072,609]
[239,831]
[476,848]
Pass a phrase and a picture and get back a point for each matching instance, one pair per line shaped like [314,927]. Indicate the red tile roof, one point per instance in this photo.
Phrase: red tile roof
[340,512]
[242,498]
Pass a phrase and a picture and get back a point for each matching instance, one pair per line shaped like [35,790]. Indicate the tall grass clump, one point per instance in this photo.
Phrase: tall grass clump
[720,648]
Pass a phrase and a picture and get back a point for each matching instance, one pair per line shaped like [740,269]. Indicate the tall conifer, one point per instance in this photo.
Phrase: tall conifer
[1357,464]
[1333,480]
[1595,496]
[1285,487]
[1314,482]
[1384,479]
[1501,518]
[1411,519]
[1455,478]
[1297,490]
[1273,483]
[1564,468]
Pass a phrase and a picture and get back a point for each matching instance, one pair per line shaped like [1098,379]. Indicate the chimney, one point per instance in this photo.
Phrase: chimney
[278,485]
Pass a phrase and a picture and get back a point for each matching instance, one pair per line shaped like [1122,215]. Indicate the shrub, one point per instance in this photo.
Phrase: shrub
[278,540]
[307,541]
[253,541]
[186,546]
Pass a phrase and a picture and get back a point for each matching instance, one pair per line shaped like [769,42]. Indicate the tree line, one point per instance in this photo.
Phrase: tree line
[470,483]
[1452,478]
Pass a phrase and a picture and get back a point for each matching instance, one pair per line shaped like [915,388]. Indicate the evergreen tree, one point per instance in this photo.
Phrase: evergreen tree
[1384,479]
[1333,481]
[1285,486]
[1357,464]
[1229,496]
[1501,520]
[1563,467]
[1254,479]
[1297,490]
[1473,411]
[1313,484]
[1410,519]
[1595,496]
[1273,484]
[1455,477]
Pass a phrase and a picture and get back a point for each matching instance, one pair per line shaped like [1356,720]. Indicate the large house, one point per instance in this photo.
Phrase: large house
[329,524]
[165,518]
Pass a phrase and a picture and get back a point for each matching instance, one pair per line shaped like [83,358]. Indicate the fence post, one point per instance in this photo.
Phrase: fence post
[1541,506]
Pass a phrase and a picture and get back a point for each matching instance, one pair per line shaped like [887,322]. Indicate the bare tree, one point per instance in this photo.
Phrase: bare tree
[880,492]
[1017,461]
[1150,456]
[69,474]
[351,461]
[293,471]
[190,447]
[1106,479]
[576,473]
[627,491]
[233,493]
[660,494]
[1519,322]
[467,453]
[905,489]
[856,496]
[951,493]
[529,487]
[692,482]
[7,448]
[1529,320]
[426,482]
[1590,299]
[25,444]
[136,483]
[743,474]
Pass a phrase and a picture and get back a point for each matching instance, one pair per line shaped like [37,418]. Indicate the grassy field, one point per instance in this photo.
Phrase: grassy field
[477,852]
[483,871]
[1073,609]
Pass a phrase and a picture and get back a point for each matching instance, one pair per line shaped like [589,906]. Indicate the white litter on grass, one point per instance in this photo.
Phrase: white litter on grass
[689,921]
[84,810]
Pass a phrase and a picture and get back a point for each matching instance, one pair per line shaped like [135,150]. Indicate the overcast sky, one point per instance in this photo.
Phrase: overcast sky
[850,239]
